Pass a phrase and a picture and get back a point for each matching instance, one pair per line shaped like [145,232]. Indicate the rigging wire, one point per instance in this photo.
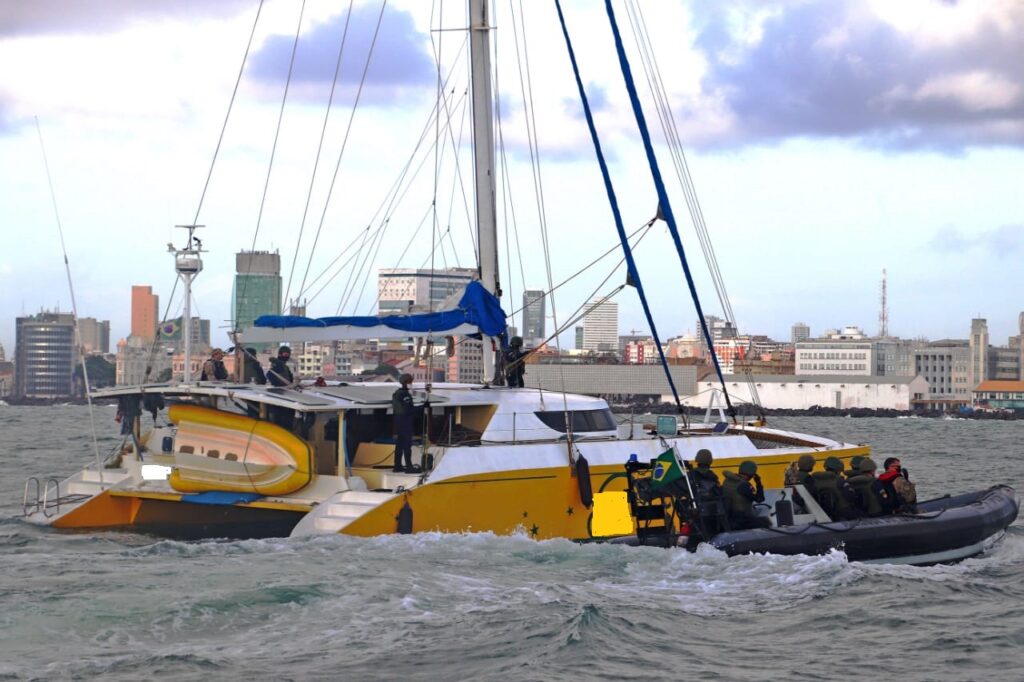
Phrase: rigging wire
[227,115]
[352,115]
[634,275]
[526,87]
[656,84]
[74,304]
[273,149]
[664,205]
[316,167]
[391,199]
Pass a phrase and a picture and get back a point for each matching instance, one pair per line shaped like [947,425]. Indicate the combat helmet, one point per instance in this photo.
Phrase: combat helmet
[867,465]
[805,463]
[748,467]
[834,464]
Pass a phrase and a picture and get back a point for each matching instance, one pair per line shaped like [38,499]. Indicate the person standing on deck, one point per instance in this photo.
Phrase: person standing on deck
[402,406]
[280,374]
[515,363]
[214,369]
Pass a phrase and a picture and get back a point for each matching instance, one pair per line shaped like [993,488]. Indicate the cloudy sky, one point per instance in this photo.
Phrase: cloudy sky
[827,141]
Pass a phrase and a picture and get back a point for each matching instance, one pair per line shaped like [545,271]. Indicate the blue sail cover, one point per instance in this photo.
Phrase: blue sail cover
[478,311]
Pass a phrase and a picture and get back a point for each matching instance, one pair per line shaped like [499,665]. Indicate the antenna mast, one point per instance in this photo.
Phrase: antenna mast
[883,315]
[188,265]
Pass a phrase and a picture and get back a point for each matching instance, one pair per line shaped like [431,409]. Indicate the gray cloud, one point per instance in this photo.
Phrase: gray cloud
[1000,242]
[400,57]
[832,70]
[33,17]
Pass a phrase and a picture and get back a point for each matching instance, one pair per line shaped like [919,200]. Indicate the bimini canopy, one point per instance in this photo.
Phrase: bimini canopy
[477,312]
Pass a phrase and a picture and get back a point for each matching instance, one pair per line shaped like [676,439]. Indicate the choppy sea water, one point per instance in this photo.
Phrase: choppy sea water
[478,606]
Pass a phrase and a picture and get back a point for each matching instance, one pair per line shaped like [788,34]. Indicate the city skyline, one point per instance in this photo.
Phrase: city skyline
[818,160]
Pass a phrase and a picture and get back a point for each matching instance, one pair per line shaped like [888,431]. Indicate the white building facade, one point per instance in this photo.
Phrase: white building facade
[601,327]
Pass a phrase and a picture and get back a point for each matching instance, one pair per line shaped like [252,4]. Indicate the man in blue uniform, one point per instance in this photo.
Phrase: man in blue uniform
[402,406]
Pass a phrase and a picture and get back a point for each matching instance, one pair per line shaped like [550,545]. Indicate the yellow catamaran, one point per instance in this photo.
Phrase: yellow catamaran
[215,463]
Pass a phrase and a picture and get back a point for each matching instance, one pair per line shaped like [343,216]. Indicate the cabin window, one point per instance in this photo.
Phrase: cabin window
[582,420]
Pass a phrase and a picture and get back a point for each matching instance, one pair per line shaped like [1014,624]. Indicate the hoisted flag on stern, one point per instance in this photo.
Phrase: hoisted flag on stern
[666,469]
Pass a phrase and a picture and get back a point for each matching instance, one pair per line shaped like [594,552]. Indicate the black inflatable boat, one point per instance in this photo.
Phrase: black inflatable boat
[946,529]
[942,530]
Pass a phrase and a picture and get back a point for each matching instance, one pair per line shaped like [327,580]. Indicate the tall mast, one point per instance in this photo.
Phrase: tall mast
[483,156]
[188,264]
[483,144]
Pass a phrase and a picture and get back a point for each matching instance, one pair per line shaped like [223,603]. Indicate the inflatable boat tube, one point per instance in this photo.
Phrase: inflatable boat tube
[942,530]
[216,450]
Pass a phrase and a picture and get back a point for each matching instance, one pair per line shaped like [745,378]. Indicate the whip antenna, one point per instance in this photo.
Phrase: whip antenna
[74,305]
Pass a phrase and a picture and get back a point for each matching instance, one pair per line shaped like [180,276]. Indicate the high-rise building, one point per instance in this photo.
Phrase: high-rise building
[145,312]
[257,286]
[95,335]
[403,290]
[44,355]
[800,332]
[533,317]
[579,338]
[718,328]
[601,326]
[977,367]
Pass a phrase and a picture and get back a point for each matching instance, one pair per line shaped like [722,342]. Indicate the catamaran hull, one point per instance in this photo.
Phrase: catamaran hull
[943,530]
[543,501]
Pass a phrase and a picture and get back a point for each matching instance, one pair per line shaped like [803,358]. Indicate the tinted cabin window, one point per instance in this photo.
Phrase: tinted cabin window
[582,420]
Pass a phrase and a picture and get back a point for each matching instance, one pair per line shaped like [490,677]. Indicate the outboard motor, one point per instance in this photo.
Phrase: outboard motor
[784,513]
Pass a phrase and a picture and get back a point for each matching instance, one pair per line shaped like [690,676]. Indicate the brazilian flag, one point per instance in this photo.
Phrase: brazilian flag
[666,469]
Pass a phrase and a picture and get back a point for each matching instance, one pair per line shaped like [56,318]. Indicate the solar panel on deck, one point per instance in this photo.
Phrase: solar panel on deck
[374,395]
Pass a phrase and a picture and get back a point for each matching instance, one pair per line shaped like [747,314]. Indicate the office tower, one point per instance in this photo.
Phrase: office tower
[800,332]
[45,358]
[145,312]
[601,327]
[94,334]
[257,286]
[533,317]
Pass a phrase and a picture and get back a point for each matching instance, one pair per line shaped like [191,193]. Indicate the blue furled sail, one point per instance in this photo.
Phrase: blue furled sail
[477,312]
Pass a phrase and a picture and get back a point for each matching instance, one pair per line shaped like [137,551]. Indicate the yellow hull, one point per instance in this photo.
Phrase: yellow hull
[543,503]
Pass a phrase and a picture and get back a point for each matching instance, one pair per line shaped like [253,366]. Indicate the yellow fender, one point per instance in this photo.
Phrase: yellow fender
[235,453]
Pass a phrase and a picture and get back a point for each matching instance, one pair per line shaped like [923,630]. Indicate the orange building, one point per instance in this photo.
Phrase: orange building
[145,312]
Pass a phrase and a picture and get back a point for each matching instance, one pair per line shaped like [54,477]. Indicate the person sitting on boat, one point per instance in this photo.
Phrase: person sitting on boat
[515,365]
[854,469]
[897,482]
[872,496]
[708,490]
[402,406]
[280,374]
[802,476]
[740,497]
[833,493]
[251,372]
[214,369]
[705,481]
